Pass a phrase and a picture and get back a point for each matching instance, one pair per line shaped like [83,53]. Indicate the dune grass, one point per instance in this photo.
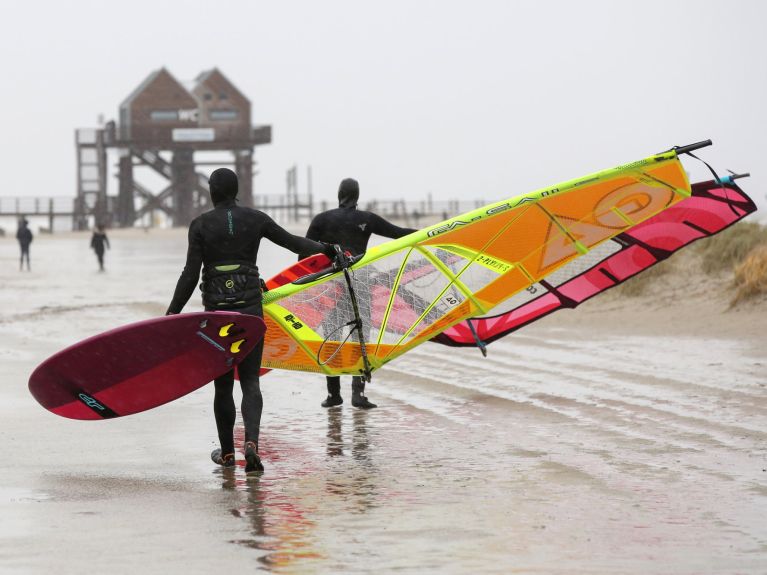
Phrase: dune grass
[751,275]
[730,247]
[727,250]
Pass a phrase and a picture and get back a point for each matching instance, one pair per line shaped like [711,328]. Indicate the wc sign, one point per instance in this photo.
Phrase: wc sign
[189,115]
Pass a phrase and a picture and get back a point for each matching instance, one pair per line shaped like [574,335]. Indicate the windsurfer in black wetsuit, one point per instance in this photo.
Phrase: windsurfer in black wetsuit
[224,237]
[351,229]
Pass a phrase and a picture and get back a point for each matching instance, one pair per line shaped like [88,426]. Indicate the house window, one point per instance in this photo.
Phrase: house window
[164,115]
[219,115]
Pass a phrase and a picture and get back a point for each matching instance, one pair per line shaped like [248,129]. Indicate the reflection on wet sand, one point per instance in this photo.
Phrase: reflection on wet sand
[359,437]
[360,443]
[278,524]
[354,487]
[279,527]
[282,526]
[335,440]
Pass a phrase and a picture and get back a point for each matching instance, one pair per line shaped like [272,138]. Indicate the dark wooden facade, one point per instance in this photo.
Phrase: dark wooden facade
[157,107]
[222,107]
[161,115]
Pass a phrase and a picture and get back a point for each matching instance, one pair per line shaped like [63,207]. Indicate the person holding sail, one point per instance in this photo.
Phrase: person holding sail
[224,242]
[351,229]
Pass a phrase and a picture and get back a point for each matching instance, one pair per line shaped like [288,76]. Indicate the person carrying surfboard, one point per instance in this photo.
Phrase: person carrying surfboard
[224,243]
[351,229]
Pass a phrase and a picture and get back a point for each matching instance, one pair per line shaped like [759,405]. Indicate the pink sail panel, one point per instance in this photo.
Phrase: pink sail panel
[712,208]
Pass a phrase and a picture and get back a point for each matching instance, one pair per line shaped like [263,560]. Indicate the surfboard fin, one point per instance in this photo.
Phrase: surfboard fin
[235,347]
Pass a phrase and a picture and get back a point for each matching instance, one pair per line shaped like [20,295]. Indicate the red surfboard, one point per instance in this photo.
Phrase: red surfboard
[304,267]
[143,365]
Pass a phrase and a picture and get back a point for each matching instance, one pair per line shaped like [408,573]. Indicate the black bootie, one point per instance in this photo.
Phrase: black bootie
[252,460]
[334,392]
[359,399]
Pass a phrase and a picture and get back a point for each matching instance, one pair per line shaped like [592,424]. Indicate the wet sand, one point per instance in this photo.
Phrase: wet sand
[627,436]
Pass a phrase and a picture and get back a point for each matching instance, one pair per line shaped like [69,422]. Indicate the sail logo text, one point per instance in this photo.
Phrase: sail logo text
[493,263]
[446,228]
[490,212]
[291,319]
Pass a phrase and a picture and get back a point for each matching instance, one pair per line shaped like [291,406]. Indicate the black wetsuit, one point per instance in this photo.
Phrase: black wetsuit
[351,229]
[98,241]
[24,235]
[227,235]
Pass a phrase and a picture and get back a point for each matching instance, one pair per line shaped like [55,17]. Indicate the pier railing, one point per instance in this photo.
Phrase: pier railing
[31,206]
[295,208]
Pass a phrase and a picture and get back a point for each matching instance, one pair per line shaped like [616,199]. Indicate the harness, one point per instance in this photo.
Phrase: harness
[231,285]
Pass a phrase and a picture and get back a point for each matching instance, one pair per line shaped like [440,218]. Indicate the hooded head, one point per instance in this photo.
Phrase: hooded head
[348,193]
[223,185]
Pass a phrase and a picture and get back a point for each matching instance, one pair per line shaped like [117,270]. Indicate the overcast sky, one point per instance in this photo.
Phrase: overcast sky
[473,99]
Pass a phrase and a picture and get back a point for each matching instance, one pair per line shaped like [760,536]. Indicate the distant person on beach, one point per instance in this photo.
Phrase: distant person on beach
[24,235]
[98,241]
[229,234]
[351,229]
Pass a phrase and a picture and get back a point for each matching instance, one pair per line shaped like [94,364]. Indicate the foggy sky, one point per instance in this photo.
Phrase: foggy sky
[467,99]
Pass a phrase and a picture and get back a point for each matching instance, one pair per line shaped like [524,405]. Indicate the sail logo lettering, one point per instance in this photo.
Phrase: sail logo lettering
[294,323]
[499,209]
[451,226]
[493,263]
[494,210]
[635,202]
[446,228]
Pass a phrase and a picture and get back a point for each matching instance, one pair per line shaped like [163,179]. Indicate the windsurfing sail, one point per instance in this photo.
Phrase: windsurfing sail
[712,207]
[412,289]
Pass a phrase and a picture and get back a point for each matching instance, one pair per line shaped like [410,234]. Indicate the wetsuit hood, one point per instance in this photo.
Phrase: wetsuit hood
[348,193]
[223,185]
